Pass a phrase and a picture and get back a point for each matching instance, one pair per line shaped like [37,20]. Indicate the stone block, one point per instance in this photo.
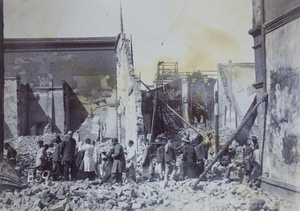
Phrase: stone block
[272,206]
[123,205]
[106,192]
[79,193]
[256,204]
[136,205]
[7,200]
[240,189]
[61,190]
[60,206]
[133,194]
[160,201]
[36,189]
[235,203]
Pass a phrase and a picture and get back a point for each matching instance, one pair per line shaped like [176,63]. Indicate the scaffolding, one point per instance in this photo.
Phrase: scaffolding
[166,73]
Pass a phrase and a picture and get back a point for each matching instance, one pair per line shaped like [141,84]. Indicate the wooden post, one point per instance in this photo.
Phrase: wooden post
[230,140]
[153,117]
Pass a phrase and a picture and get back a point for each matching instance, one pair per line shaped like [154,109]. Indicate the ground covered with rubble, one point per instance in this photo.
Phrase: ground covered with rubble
[90,195]
[213,193]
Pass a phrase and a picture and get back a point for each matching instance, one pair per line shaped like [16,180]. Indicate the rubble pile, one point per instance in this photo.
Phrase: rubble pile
[215,192]
[90,195]
[218,195]
[27,147]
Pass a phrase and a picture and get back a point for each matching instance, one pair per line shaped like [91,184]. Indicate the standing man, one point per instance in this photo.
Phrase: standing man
[88,160]
[146,161]
[97,159]
[56,158]
[201,154]
[160,158]
[68,157]
[131,160]
[119,165]
[256,167]
[189,159]
[247,160]
[170,160]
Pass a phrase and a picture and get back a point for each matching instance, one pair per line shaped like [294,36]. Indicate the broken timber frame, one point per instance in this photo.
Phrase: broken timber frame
[232,138]
[171,109]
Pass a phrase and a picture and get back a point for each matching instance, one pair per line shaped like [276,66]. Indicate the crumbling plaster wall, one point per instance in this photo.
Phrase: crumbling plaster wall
[281,157]
[90,74]
[11,102]
[130,119]
[235,92]
[275,31]
[46,108]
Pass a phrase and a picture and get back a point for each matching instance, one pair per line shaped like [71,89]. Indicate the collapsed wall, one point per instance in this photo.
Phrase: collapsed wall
[11,105]
[129,114]
[235,92]
[87,65]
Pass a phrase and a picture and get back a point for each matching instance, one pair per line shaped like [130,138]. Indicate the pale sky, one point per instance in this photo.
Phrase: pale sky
[198,34]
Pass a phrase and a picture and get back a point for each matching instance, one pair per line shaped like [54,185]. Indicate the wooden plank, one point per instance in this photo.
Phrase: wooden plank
[230,140]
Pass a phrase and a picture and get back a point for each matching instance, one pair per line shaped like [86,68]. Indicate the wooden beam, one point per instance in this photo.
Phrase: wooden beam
[232,138]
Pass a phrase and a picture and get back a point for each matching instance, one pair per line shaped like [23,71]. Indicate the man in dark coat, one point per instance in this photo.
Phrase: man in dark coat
[56,158]
[189,159]
[170,160]
[68,156]
[201,154]
[148,169]
[119,165]
[107,166]
[11,154]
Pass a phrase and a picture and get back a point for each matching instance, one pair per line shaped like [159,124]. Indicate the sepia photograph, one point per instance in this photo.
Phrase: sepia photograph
[128,105]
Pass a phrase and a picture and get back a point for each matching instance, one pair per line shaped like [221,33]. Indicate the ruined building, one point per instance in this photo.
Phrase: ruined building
[178,98]
[60,84]
[235,91]
[276,29]
[129,113]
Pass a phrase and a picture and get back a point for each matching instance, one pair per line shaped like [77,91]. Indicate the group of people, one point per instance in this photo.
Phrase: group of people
[193,153]
[73,160]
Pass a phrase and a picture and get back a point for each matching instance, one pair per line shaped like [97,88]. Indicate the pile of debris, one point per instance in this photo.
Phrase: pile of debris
[90,195]
[26,147]
[215,192]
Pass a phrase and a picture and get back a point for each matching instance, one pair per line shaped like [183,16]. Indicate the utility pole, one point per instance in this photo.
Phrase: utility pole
[1,82]
[121,17]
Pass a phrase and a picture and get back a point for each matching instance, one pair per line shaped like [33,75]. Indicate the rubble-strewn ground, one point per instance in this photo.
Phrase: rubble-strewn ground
[90,195]
[215,193]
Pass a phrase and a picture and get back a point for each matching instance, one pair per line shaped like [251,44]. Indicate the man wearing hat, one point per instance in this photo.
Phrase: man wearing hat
[68,156]
[170,160]
[256,171]
[250,157]
[201,154]
[161,140]
[188,159]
